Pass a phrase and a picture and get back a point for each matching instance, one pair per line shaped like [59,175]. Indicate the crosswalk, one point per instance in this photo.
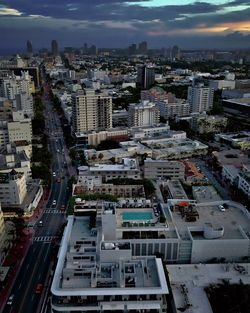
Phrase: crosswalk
[44,238]
[53,211]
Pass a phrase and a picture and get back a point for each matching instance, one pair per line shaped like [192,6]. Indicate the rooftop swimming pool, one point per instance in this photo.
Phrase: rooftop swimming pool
[137,216]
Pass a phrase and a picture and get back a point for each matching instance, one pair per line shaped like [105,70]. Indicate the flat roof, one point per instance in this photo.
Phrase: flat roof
[232,219]
[188,282]
[205,194]
[81,271]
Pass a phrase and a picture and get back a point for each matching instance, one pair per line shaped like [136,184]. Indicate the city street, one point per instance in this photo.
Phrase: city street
[36,263]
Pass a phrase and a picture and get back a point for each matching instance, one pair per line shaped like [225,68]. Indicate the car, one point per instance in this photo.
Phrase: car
[40,224]
[63,207]
[58,180]
[54,174]
[10,300]
[221,208]
[54,203]
[39,288]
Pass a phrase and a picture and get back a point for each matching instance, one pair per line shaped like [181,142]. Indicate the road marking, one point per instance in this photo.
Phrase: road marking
[19,286]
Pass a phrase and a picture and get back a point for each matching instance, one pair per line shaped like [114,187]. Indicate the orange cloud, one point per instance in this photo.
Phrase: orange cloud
[203,29]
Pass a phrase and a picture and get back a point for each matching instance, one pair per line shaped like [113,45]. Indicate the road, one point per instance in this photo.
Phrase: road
[36,263]
[205,170]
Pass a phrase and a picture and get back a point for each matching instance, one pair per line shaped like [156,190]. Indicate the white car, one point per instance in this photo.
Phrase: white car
[221,208]
[10,300]
[54,203]
[54,174]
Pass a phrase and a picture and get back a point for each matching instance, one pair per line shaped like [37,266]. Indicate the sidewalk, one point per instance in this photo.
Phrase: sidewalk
[17,253]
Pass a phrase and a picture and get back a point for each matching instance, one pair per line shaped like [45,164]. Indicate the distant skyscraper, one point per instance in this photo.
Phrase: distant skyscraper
[146,76]
[132,49]
[143,47]
[54,47]
[176,53]
[29,48]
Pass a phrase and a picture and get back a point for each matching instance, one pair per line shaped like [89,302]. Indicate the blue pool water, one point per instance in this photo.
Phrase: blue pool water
[136,216]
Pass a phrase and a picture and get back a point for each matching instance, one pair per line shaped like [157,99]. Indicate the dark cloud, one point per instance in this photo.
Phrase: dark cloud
[119,22]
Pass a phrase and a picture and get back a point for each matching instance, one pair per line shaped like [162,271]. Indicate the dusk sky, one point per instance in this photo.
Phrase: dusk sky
[118,23]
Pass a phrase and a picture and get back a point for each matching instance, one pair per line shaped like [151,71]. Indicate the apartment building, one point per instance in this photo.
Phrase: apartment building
[96,272]
[200,98]
[19,129]
[91,111]
[163,169]
[143,114]
[12,188]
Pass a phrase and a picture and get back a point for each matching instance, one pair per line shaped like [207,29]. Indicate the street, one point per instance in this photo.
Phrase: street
[36,264]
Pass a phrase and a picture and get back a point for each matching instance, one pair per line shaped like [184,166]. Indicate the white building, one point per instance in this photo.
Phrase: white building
[244,180]
[128,169]
[97,272]
[143,114]
[222,84]
[200,98]
[91,111]
[12,188]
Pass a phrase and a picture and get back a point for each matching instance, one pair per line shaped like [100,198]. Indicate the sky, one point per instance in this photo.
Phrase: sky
[214,24]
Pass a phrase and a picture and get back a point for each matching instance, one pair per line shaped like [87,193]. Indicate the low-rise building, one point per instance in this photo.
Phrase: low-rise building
[96,271]
[155,169]
[236,140]
[203,123]
[128,169]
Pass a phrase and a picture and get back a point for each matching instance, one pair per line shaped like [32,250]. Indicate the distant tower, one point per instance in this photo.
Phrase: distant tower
[143,48]
[54,47]
[176,53]
[146,76]
[29,48]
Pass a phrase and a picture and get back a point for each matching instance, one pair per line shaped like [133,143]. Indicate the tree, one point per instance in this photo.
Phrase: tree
[100,156]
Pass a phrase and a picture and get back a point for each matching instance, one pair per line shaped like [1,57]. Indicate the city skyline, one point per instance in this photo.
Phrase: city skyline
[208,24]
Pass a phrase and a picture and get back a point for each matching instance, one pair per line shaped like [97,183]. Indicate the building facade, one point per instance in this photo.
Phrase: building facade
[91,111]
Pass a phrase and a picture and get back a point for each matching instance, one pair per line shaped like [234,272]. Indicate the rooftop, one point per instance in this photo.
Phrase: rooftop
[235,222]
[87,268]
[188,282]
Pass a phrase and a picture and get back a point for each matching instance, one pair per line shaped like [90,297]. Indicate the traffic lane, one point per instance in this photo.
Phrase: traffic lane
[56,224]
[30,300]
[20,282]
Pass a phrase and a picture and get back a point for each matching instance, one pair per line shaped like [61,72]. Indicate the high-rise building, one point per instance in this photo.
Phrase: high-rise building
[91,111]
[146,76]
[143,47]
[54,47]
[176,53]
[132,49]
[29,48]
[200,97]
[143,114]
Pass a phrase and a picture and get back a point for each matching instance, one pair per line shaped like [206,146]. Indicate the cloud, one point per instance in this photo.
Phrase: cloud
[120,22]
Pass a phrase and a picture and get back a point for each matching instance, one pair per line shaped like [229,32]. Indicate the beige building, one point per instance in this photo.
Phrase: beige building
[12,188]
[163,169]
[91,111]
[20,128]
